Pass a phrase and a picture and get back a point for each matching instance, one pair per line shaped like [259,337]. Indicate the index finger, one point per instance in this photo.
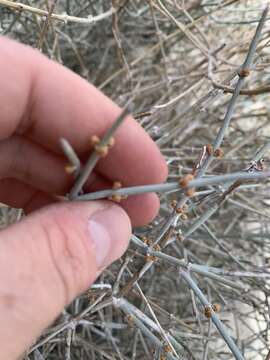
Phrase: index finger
[50,102]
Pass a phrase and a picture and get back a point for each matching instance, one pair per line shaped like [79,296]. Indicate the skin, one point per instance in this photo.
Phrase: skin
[37,109]
[40,102]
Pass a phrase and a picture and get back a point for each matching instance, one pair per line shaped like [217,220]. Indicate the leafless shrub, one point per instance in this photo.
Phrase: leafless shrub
[200,270]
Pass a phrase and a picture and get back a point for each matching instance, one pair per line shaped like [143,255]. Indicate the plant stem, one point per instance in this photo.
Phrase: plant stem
[211,180]
[65,18]
[219,325]
[245,67]
[94,157]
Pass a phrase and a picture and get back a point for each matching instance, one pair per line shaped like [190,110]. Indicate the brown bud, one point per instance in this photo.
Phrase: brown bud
[156,247]
[116,198]
[207,311]
[183,182]
[111,142]
[147,240]
[150,258]
[179,210]
[243,72]
[209,149]
[216,308]
[167,348]
[219,153]
[116,185]
[173,204]
[180,237]
[95,140]
[130,320]
[184,216]
[101,150]
[70,169]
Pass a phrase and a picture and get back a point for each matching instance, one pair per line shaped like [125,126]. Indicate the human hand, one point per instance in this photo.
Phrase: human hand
[57,251]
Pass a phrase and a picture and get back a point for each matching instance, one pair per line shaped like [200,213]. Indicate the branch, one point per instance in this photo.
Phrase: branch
[219,325]
[65,18]
[243,72]
[95,156]
[249,92]
[211,180]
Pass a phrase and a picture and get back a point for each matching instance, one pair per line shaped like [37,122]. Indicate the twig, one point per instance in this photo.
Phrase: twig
[249,92]
[129,310]
[211,180]
[161,7]
[180,96]
[94,157]
[46,24]
[65,18]
[242,72]
[219,325]
[206,271]
[72,157]
[117,37]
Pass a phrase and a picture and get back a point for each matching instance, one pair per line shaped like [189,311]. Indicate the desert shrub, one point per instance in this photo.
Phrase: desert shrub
[206,256]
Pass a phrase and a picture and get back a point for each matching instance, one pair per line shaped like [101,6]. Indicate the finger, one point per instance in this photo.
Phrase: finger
[19,195]
[58,252]
[49,102]
[31,163]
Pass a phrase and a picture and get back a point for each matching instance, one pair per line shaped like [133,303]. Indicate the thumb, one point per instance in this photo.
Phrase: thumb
[49,258]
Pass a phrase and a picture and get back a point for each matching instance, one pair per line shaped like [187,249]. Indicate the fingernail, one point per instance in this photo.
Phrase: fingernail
[109,231]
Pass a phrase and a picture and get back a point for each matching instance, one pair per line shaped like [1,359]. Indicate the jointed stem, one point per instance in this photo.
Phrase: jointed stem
[94,157]
[211,180]
[219,325]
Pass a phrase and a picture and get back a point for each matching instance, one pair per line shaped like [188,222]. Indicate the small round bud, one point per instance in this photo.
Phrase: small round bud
[179,210]
[184,216]
[219,153]
[111,142]
[180,237]
[216,308]
[150,258]
[183,182]
[70,169]
[173,204]
[116,185]
[185,208]
[130,320]
[95,140]
[101,150]
[147,240]
[207,311]
[167,348]
[209,149]
[116,198]
[243,72]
